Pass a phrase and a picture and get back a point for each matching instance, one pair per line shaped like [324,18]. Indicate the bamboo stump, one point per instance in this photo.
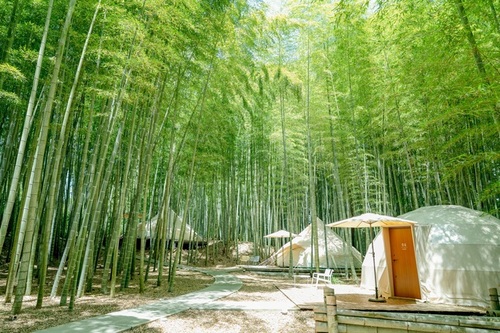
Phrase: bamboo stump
[495,305]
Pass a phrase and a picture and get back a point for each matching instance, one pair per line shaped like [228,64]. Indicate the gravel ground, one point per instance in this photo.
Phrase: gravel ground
[265,309]
[212,321]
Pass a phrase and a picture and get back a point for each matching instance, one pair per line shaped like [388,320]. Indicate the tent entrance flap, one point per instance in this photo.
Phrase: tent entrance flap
[404,266]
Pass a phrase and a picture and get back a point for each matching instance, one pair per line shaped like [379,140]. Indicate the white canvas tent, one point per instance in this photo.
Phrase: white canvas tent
[338,252]
[189,236]
[457,254]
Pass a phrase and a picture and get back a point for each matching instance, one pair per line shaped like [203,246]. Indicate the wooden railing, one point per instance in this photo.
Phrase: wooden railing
[329,319]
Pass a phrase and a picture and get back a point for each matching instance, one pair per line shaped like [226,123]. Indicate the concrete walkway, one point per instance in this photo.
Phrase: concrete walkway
[224,285]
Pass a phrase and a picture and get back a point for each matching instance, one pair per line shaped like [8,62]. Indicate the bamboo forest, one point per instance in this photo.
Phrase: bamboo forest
[236,117]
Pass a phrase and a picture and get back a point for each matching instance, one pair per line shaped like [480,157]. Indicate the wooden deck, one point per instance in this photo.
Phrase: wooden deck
[296,270]
[350,297]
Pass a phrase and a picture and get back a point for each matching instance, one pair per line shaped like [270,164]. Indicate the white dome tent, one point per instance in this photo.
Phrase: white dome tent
[457,253]
[339,253]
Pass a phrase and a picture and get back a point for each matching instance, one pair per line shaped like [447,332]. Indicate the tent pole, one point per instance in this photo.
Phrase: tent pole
[376,299]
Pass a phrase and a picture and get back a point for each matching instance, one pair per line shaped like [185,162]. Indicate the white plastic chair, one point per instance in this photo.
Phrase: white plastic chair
[326,276]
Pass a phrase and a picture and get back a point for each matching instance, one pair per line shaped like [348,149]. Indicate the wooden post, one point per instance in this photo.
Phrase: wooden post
[320,320]
[495,305]
[331,310]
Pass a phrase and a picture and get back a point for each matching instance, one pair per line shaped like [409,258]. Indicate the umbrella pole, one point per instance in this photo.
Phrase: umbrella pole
[376,299]
[290,259]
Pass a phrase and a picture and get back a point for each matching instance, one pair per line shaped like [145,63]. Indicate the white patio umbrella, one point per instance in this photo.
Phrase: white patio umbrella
[370,220]
[280,234]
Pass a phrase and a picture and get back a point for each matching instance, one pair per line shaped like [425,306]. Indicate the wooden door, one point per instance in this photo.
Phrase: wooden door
[404,265]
